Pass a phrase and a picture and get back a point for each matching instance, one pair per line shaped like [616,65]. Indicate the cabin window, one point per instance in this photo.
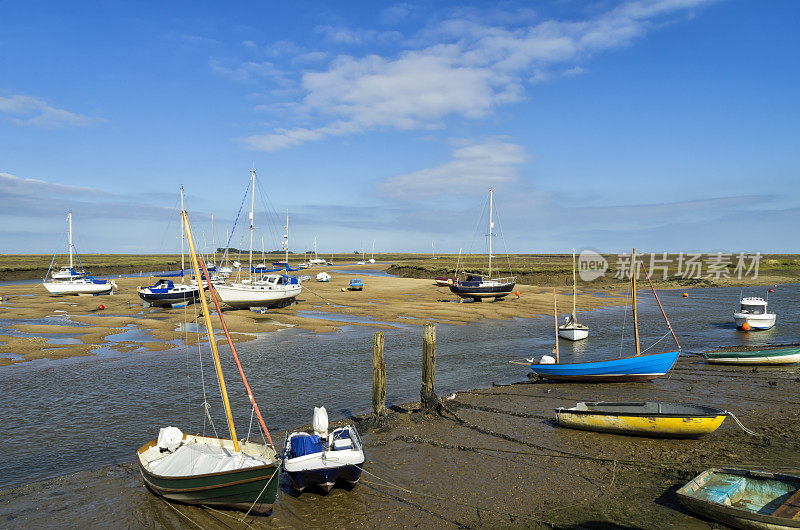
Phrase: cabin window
[753,309]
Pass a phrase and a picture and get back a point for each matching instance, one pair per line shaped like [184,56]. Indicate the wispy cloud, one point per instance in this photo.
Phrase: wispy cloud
[343,35]
[467,68]
[474,166]
[34,111]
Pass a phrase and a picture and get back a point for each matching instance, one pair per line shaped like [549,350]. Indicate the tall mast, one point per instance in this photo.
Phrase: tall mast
[262,250]
[373,250]
[210,330]
[433,250]
[573,285]
[633,291]
[213,242]
[555,318]
[286,240]
[491,225]
[315,248]
[69,238]
[252,206]
[183,265]
[227,236]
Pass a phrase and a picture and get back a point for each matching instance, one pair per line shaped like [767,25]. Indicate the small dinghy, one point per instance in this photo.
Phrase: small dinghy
[321,458]
[744,498]
[210,471]
[774,356]
[166,293]
[650,418]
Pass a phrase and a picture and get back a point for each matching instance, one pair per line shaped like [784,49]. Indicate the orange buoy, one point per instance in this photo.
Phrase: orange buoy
[101,307]
[772,290]
[746,326]
[516,293]
[686,295]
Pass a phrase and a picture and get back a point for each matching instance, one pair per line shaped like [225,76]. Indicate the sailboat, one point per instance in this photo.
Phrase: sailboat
[572,329]
[262,290]
[477,287]
[433,251]
[635,368]
[166,293]
[372,257]
[69,281]
[284,244]
[317,260]
[361,261]
[212,471]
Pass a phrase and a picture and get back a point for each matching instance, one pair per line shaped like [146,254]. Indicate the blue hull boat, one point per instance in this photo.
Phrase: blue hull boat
[638,368]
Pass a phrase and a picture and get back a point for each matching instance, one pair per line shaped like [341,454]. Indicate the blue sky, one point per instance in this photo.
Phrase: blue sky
[663,124]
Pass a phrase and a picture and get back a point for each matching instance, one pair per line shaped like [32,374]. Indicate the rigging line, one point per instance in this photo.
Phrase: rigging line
[656,342]
[271,214]
[233,229]
[46,274]
[505,243]
[168,228]
[477,225]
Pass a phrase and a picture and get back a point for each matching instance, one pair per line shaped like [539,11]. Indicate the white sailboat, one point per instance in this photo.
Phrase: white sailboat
[361,261]
[69,281]
[317,261]
[262,290]
[572,329]
[372,257]
[433,251]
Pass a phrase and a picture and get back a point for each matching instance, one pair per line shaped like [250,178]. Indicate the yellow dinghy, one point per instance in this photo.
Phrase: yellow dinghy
[644,418]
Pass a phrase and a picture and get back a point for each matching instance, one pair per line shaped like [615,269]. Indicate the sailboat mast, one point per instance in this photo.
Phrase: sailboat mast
[252,207]
[212,339]
[555,318]
[286,240]
[373,250]
[315,248]
[491,225]
[433,250]
[633,294]
[213,242]
[69,238]
[574,293]
[183,264]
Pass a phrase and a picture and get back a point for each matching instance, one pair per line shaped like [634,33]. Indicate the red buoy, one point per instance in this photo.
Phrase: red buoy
[772,290]
[746,326]
[101,307]
[686,295]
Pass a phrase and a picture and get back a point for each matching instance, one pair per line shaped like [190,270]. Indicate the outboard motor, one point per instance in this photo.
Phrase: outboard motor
[320,422]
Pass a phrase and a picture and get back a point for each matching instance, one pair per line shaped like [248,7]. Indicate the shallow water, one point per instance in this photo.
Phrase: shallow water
[73,414]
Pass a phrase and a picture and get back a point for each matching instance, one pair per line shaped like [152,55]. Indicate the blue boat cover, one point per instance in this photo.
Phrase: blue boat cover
[356,281]
[305,444]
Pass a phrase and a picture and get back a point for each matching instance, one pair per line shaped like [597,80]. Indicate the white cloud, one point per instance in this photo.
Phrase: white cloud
[250,71]
[470,68]
[472,166]
[30,110]
[341,35]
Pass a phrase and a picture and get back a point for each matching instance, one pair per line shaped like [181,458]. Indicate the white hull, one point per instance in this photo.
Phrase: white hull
[78,287]
[571,333]
[256,295]
[774,360]
[764,321]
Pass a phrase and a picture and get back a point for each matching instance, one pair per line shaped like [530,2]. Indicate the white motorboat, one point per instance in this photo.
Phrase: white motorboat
[261,290]
[69,281]
[753,312]
[572,329]
[322,459]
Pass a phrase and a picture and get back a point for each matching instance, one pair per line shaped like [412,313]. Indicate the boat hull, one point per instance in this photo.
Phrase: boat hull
[573,334]
[244,296]
[644,419]
[67,288]
[776,356]
[169,299]
[756,322]
[253,488]
[478,292]
[722,503]
[638,368]
[325,479]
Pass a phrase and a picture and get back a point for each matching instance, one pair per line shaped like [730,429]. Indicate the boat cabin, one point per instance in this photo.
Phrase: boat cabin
[753,306]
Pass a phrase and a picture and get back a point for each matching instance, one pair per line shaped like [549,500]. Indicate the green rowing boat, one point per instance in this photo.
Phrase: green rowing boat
[774,356]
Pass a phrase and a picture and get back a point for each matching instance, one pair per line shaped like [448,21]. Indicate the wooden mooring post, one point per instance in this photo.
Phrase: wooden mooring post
[378,376]
[428,399]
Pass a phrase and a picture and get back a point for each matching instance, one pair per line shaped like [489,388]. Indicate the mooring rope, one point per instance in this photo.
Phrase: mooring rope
[277,467]
[739,423]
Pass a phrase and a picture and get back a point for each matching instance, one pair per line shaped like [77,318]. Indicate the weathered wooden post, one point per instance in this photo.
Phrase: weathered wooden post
[378,376]
[428,399]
